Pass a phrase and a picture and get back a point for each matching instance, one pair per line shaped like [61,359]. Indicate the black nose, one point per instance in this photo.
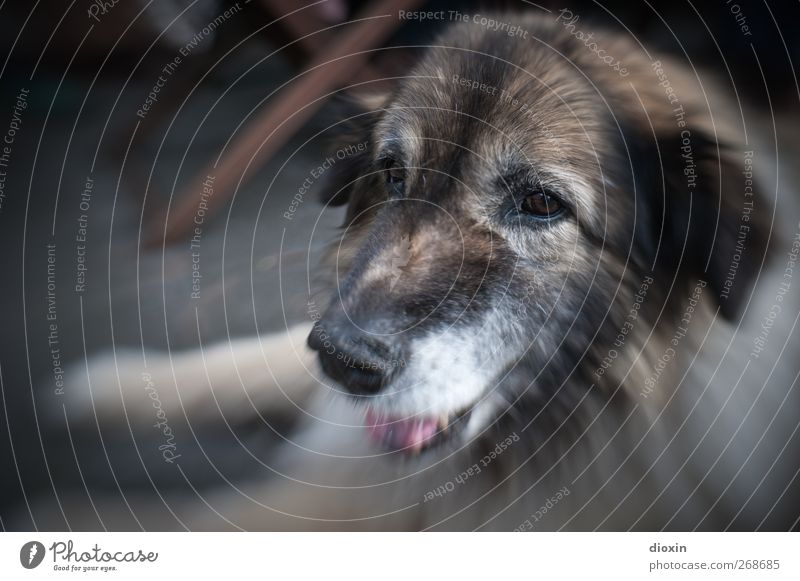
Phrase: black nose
[361,362]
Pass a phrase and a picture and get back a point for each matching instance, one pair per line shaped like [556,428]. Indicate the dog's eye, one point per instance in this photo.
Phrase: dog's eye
[542,205]
[395,176]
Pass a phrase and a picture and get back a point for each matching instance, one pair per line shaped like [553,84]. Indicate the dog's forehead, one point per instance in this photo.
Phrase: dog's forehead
[480,117]
[500,99]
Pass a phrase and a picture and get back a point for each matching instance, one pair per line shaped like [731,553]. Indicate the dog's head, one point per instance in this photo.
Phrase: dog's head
[513,196]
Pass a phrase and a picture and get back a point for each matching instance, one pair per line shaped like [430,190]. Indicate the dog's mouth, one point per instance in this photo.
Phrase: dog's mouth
[412,435]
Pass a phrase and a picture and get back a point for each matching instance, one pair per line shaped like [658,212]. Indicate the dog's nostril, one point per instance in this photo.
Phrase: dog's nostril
[361,363]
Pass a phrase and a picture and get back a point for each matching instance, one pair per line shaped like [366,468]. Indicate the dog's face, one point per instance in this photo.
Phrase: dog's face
[496,228]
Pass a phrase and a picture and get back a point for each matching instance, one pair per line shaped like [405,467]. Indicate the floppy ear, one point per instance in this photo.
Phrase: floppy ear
[715,221]
[352,153]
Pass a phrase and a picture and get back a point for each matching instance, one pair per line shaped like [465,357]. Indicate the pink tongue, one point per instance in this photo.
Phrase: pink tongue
[400,434]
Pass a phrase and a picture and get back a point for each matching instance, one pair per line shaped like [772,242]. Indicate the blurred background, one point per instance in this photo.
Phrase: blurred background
[157,188]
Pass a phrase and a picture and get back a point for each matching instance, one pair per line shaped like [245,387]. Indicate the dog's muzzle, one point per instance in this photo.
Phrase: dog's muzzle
[364,364]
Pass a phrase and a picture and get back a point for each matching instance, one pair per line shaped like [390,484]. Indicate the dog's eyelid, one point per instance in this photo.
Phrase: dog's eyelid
[555,188]
[547,181]
[556,193]
[522,183]
[387,157]
[390,163]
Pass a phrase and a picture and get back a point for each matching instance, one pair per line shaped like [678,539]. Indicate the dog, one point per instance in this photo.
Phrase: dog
[547,310]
